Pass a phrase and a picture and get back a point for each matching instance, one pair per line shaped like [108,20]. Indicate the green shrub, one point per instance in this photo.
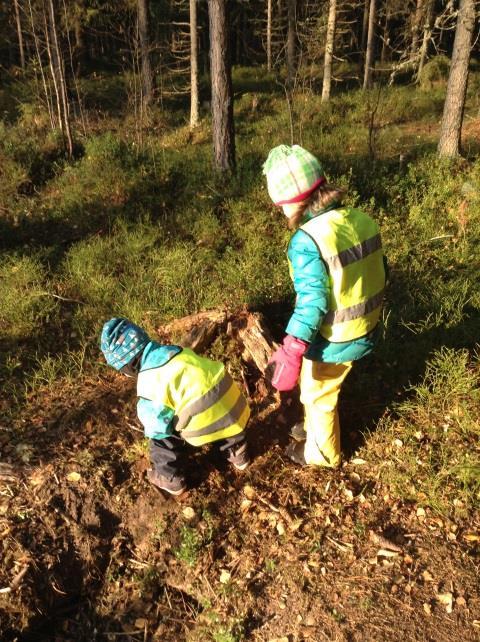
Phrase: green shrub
[435,438]
[23,293]
[435,72]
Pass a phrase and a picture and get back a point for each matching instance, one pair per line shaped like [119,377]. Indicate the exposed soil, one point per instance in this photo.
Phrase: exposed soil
[90,551]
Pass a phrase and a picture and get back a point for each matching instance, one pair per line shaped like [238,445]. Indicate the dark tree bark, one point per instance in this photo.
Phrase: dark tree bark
[451,127]
[21,50]
[291,43]
[193,65]
[222,94]
[368,75]
[363,41]
[144,40]
[327,68]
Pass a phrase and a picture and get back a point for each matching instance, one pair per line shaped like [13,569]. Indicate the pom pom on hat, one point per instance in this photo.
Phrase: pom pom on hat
[121,341]
[292,174]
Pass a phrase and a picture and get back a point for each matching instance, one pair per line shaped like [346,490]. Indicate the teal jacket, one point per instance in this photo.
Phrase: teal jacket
[157,419]
[311,284]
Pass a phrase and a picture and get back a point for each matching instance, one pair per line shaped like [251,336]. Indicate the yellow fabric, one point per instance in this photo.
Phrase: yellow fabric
[181,381]
[337,231]
[230,431]
[320,385]
[184,380]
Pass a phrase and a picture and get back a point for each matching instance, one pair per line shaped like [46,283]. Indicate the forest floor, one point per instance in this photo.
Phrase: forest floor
[91,551]
[385,548]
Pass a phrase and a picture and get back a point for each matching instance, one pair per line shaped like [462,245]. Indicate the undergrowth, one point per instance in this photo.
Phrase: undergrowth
[139,226]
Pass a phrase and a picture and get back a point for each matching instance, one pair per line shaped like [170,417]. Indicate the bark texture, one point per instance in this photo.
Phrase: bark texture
[368,75]
[144,41]
[222,94]
[21,49]
[451,127]
[327,68]
[194,116]
[269,35]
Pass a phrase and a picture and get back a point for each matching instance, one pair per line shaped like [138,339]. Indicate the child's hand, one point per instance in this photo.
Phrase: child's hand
[283,369]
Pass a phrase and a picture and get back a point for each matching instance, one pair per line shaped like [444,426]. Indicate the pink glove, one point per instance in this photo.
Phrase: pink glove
[286,363]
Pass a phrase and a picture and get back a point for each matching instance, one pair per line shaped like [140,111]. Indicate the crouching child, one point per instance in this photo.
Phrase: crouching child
[182,397]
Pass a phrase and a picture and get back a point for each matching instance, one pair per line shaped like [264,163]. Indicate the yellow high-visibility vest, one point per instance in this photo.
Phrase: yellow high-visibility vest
[208,404]
[350,246]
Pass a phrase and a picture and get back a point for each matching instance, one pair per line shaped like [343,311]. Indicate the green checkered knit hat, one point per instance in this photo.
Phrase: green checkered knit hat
[292,174]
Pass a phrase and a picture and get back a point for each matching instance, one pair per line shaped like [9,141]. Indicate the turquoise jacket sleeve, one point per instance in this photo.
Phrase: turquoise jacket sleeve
[156,419]
[312,286]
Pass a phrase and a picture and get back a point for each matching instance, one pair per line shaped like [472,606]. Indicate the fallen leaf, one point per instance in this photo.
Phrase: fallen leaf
[295,525]
[140,623]
[245,504]
[427,608]
[249,492]
[421,512]
[427,576]
[188,513]
[382,541]
[384,552]
[471,537]
[74,477]
[225,576]
[447,600]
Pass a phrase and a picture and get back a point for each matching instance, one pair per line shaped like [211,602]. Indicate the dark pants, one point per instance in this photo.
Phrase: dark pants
[167,453]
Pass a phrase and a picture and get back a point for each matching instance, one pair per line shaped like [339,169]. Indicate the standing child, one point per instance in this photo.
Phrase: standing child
[182,397]
[337,267]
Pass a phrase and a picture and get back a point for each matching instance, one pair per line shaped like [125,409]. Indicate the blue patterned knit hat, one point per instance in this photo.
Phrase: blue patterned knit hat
[121,341]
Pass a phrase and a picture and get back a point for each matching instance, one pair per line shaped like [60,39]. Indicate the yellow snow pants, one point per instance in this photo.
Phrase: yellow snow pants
[320,385]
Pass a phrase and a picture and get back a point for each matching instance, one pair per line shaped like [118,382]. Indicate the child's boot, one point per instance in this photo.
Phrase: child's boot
[173,485]
[298,431]
[239,458]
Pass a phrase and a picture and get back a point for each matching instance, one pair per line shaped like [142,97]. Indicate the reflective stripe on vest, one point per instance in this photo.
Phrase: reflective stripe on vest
[349,243]
[204,397]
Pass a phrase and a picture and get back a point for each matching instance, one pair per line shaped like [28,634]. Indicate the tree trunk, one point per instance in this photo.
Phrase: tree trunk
[367,78]
[363,41]
[147,75]
[20,35]
[451,127]
[417,20]
[269,35]
[57,69]
[386,36]
[193,65]
[327,68]
[80,51]
[222,94]
[291,38]
[427,34]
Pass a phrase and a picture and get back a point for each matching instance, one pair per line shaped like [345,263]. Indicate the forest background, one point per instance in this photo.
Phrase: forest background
[113,203]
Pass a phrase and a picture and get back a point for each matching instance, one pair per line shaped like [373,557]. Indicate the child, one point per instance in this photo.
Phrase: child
[337,267]
[182,397]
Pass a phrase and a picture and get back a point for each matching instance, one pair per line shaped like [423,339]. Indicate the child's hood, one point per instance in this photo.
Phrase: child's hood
[156,355]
